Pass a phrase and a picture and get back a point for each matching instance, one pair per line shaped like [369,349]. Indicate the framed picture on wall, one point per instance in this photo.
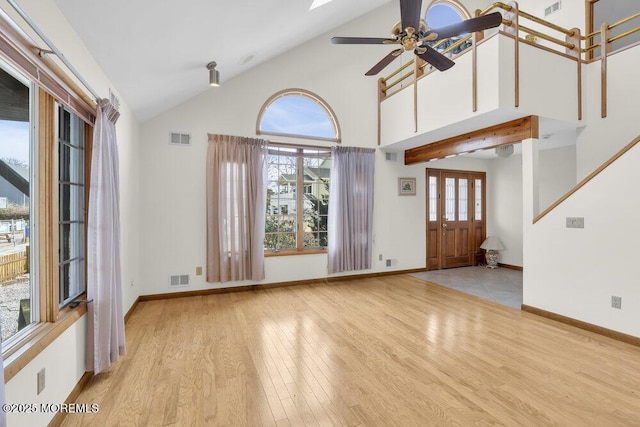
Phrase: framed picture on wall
[406,186]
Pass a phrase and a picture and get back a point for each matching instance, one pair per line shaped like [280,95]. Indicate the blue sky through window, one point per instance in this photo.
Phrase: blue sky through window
[297,115]
[14,140]
[440,15]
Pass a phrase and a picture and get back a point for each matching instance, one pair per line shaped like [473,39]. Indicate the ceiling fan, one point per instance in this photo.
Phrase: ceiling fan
[412,33]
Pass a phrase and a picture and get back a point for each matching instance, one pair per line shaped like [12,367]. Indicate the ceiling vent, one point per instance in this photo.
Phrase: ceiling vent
[504,151]
[553,8]
[176,138]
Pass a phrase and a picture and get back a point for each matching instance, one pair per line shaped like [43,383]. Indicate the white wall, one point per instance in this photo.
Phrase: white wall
[64,358]
[557,174]
[602,138]
[173,178]
[504,206]
[574,272]
[63,362]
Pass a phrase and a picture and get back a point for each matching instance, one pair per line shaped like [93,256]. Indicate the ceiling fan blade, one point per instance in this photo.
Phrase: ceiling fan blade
[410,13]
[362,40]
[468,26]
[435,58]
[384,62]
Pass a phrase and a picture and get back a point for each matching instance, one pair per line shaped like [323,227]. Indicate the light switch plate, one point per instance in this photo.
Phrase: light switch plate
[575,222]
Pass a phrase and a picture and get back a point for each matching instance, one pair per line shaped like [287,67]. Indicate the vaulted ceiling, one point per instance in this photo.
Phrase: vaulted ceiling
[155,51]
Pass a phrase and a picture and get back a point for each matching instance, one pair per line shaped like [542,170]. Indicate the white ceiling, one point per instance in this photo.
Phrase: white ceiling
[155,51]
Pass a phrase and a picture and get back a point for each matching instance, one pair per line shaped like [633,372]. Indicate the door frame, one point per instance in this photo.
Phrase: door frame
[474,243]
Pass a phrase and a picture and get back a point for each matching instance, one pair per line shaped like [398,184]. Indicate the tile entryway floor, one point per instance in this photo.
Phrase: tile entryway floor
[501,285]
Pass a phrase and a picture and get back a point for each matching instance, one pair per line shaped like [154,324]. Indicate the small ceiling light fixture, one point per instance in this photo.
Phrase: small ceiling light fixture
[214,75]
[504,151]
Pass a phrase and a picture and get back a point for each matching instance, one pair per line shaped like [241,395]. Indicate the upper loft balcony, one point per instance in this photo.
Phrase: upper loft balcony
[527,67]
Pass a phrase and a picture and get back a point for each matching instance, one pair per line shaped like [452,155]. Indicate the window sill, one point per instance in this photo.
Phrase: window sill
[19,355]
[269,254]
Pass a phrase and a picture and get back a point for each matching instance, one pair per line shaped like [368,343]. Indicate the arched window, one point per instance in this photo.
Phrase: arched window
[441,13]
[298,113]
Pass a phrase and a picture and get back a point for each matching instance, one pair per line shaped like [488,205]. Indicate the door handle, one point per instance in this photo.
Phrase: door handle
[444,225]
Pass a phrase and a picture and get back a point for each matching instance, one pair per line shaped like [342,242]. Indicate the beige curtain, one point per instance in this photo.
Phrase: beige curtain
[236,206]
[105,330]
[351,208]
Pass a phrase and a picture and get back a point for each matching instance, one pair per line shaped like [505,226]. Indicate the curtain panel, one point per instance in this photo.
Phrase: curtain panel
[105,340]
[236,208]
[350,209]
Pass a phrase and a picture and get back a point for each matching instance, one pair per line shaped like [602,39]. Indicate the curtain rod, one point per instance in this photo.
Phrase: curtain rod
[53,47]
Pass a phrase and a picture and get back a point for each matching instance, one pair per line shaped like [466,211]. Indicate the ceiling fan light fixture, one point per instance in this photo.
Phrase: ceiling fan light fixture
[214,75]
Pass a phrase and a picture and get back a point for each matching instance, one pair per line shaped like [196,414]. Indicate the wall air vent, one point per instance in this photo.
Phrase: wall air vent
[178,280]
[391,157]
[176,138]
[553,8]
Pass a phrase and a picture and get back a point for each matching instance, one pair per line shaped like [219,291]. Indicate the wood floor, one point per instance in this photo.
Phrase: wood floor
[390,351]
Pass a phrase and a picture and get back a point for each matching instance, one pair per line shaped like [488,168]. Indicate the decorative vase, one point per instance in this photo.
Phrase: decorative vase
[491,257]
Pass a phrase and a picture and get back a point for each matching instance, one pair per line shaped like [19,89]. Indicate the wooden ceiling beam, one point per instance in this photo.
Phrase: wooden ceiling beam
[493,136]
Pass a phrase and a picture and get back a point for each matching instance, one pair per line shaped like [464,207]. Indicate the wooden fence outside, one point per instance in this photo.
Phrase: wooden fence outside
[12,266]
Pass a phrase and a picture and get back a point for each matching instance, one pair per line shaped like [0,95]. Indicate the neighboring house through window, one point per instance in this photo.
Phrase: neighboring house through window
[296,221]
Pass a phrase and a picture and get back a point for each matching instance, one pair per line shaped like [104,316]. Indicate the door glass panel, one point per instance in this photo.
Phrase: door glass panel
[433,198]
[450,199]
[463,200]
[478,201]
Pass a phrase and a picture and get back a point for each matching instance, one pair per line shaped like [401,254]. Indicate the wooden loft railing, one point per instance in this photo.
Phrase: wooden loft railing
[517,24]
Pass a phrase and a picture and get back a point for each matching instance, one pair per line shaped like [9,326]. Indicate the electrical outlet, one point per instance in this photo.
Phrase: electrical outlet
[132,283]
[198,271]
[380,257]
[388,263]
[41,381]
[616,302]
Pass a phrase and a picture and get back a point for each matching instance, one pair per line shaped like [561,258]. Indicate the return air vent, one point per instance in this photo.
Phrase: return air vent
[176,138]
[553,8]
[391,157]
[179,280]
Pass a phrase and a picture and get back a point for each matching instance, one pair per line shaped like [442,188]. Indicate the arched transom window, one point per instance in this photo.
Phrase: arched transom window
[298,113]
[441,13]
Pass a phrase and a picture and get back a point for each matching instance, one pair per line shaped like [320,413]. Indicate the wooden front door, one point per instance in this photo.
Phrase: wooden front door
[455,217]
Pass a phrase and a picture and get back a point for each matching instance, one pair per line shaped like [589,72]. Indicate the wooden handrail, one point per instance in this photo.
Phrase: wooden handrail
[587,179]
[572,44]
[624,21]
[625,34]
[548,38]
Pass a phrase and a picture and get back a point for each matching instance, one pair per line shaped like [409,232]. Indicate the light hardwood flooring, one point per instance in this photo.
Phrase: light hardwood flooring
[389,351]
